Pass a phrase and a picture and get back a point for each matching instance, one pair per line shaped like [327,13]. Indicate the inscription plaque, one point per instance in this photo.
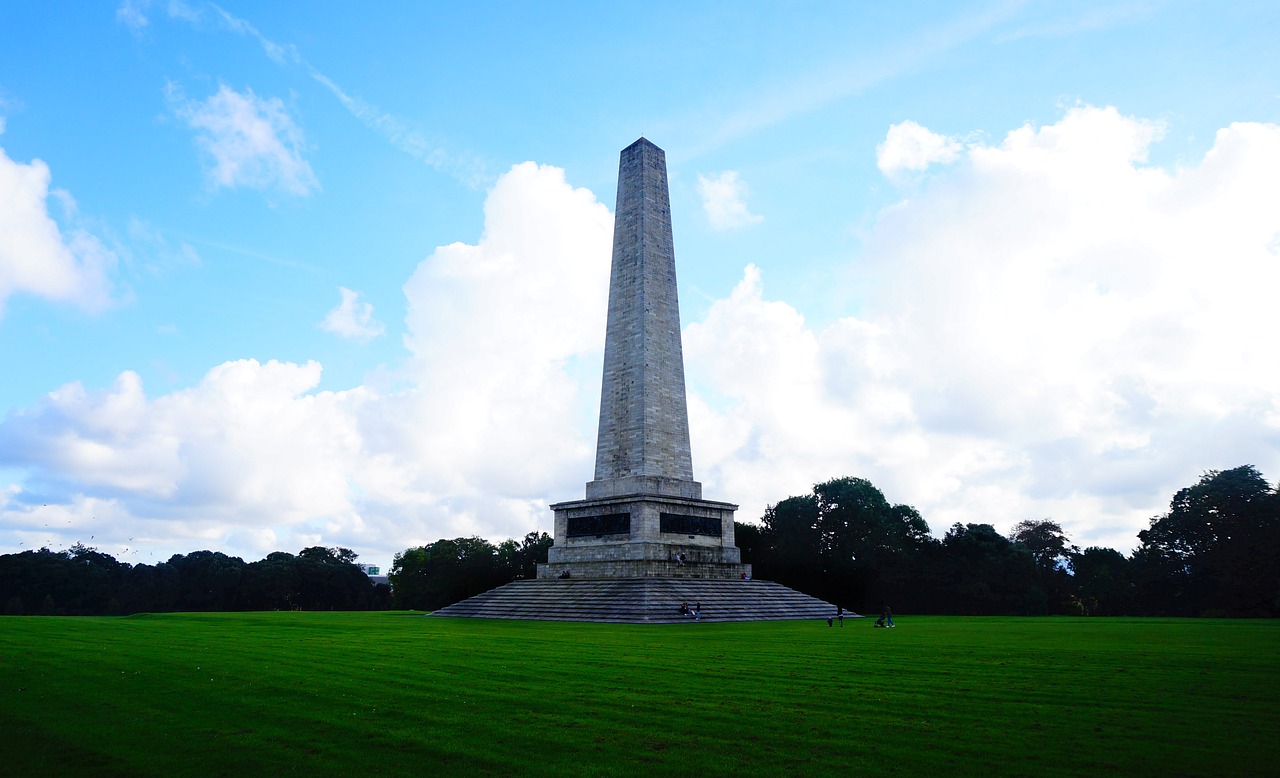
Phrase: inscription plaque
[680,524]
[605,524]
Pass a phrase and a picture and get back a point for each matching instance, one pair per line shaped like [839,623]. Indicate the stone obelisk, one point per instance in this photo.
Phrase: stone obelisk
[643,515]
[643,444]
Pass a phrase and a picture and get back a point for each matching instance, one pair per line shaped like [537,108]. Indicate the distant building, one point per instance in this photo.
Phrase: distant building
[375,573]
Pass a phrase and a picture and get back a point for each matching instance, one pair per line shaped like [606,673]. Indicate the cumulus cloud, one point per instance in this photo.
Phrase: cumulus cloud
[724,201]
[247,141]
[247,447]
[484,422]
[1064,331]
[1060,330]
[506,337]
[352,319]
[38,257]
[910,147]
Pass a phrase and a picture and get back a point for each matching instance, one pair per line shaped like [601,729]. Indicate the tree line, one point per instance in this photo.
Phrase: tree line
[1216,552]
[83,581]
[444,572]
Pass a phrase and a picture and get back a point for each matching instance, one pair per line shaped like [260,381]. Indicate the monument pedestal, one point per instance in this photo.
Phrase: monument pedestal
[674,535]
[643,541]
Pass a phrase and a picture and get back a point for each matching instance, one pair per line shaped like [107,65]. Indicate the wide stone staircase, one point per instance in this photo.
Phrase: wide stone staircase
[641,601]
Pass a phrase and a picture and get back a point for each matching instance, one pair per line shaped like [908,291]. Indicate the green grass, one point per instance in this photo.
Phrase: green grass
[256,693]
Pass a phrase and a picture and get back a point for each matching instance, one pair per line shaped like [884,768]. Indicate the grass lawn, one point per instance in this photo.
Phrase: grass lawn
[394,693]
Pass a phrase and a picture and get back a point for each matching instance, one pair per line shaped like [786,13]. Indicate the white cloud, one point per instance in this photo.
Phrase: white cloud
[724,201]
[132,14]
[352,319]
[36,256]
[246,441]
[247,140]
[180,10]
[156,253]
[490,416]
[506,337]
[399,133]
[908,146]
[279,54]
[1063,331]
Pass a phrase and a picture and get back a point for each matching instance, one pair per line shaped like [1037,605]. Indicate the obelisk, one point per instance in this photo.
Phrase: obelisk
[643,443]
[643,515]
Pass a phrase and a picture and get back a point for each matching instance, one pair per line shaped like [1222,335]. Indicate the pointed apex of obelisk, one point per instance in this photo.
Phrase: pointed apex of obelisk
[643,443]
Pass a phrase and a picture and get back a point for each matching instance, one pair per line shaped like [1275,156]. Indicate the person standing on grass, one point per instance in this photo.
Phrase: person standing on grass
[887,616]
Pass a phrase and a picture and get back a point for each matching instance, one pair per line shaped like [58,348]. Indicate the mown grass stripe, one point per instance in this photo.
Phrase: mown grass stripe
[390,693]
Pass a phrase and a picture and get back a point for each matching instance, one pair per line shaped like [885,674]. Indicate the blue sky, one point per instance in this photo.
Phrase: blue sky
[274,275]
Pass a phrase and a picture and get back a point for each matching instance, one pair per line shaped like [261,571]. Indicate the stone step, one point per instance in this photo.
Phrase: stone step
[641,600]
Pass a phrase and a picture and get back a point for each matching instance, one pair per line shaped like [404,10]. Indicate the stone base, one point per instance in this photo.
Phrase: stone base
[644,536]
[644,484]
[644,568]
[642,601]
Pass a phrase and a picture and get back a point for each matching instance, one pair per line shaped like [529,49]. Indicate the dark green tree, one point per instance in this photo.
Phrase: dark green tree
[318,578]
[873,550]
[272,583]
[1103,582]
[1052,551]
[845,543]
[331,555]
[150,589]
[1047,542]
[91,582]
[791,528]
[444,572]
[520,559]
[208,581]
[985,573]
[756,545]
[333,581]
[81,580]
[1217,550]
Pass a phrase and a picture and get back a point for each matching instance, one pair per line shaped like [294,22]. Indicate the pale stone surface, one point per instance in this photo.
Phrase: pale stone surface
[645,550]
[643,515]
[642,600]
[644,419]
